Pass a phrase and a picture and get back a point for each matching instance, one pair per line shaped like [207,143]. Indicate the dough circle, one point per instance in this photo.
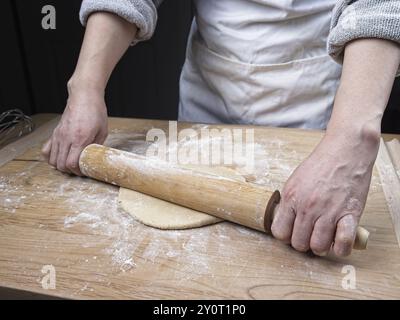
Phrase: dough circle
[165,215]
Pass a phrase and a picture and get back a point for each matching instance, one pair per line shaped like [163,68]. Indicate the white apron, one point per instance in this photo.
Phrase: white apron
[259,62]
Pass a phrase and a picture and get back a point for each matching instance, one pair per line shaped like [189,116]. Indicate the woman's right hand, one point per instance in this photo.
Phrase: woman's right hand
[83,122]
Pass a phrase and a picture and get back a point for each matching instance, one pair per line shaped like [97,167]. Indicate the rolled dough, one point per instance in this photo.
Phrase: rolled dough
[162,214]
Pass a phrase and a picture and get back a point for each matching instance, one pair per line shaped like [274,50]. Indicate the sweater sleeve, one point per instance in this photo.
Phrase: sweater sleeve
[355,19]
[143,13]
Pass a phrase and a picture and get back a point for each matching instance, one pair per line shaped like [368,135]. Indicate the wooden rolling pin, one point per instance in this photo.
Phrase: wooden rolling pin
[229,199]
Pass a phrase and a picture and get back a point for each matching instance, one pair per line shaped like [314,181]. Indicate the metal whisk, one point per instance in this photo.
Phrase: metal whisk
[13,124]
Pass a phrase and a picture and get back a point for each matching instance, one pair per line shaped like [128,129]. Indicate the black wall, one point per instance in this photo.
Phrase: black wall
[35,64]
[391,118]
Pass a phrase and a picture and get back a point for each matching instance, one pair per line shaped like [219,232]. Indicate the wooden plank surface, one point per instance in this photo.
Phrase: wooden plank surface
[45,124]
[390,183]
[99,251]
[393,148]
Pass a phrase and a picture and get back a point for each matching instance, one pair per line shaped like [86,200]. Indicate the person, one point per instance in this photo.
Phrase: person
[262,62]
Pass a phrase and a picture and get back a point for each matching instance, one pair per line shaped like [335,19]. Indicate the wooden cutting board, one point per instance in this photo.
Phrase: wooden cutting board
[98,251]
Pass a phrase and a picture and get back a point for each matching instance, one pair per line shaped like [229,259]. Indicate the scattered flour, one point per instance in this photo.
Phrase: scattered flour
[10,190]
[129,243]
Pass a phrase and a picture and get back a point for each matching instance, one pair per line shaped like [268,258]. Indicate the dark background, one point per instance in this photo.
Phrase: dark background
[36,64]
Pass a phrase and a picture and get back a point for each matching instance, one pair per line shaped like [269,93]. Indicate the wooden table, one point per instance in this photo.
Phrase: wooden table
[98,251]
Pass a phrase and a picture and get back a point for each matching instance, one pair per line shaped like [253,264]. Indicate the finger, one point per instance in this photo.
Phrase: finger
[322,237]
[282,224]
[72,161]
[302,230]
[345,235]
[46,149]
[53,153]
[63,151]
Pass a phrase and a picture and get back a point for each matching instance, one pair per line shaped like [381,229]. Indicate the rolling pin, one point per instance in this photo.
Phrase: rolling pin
[226,198]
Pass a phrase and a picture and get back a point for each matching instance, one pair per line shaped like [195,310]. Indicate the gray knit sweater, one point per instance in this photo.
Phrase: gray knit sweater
[351,19]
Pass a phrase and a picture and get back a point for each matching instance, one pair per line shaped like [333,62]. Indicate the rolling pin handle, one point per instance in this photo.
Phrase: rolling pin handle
[361,240]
